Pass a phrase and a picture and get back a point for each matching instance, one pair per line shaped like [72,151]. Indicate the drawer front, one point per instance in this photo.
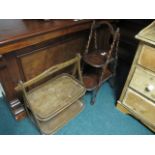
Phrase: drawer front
[144,82]
[147,57]
[143,108]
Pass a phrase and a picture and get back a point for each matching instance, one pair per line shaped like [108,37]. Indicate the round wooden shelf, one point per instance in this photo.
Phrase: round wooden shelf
[95,59]
[91,80]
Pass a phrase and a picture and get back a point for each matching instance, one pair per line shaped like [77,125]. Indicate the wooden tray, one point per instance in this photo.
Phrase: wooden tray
[50,98]
[57,122]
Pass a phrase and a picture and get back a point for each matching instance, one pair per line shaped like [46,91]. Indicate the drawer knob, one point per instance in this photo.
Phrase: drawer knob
[150,88]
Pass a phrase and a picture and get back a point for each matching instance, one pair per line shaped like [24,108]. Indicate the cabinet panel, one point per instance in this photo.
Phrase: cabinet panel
[36,62]
[33,64]
[9,75]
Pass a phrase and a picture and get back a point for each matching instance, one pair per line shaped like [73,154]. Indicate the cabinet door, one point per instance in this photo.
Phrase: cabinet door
[36,62]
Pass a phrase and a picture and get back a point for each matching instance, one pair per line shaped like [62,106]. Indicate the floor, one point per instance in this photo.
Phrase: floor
[101,119]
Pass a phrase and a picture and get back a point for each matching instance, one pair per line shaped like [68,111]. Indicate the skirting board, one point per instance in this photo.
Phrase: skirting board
[2,93]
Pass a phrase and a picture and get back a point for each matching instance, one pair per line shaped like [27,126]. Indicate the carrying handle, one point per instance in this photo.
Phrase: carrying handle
[112,31]
[51,71]
[94,25]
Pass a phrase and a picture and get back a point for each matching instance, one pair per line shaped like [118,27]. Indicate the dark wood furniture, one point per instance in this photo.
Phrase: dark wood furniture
[28,47]
[102,61]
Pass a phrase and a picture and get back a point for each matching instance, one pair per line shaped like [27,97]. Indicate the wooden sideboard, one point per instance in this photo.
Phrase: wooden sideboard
[28,47]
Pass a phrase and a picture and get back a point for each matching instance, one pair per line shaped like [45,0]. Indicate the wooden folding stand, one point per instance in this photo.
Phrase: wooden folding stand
[54,102]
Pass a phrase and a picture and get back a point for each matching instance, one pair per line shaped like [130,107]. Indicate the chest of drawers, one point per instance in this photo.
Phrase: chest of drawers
[138,95]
